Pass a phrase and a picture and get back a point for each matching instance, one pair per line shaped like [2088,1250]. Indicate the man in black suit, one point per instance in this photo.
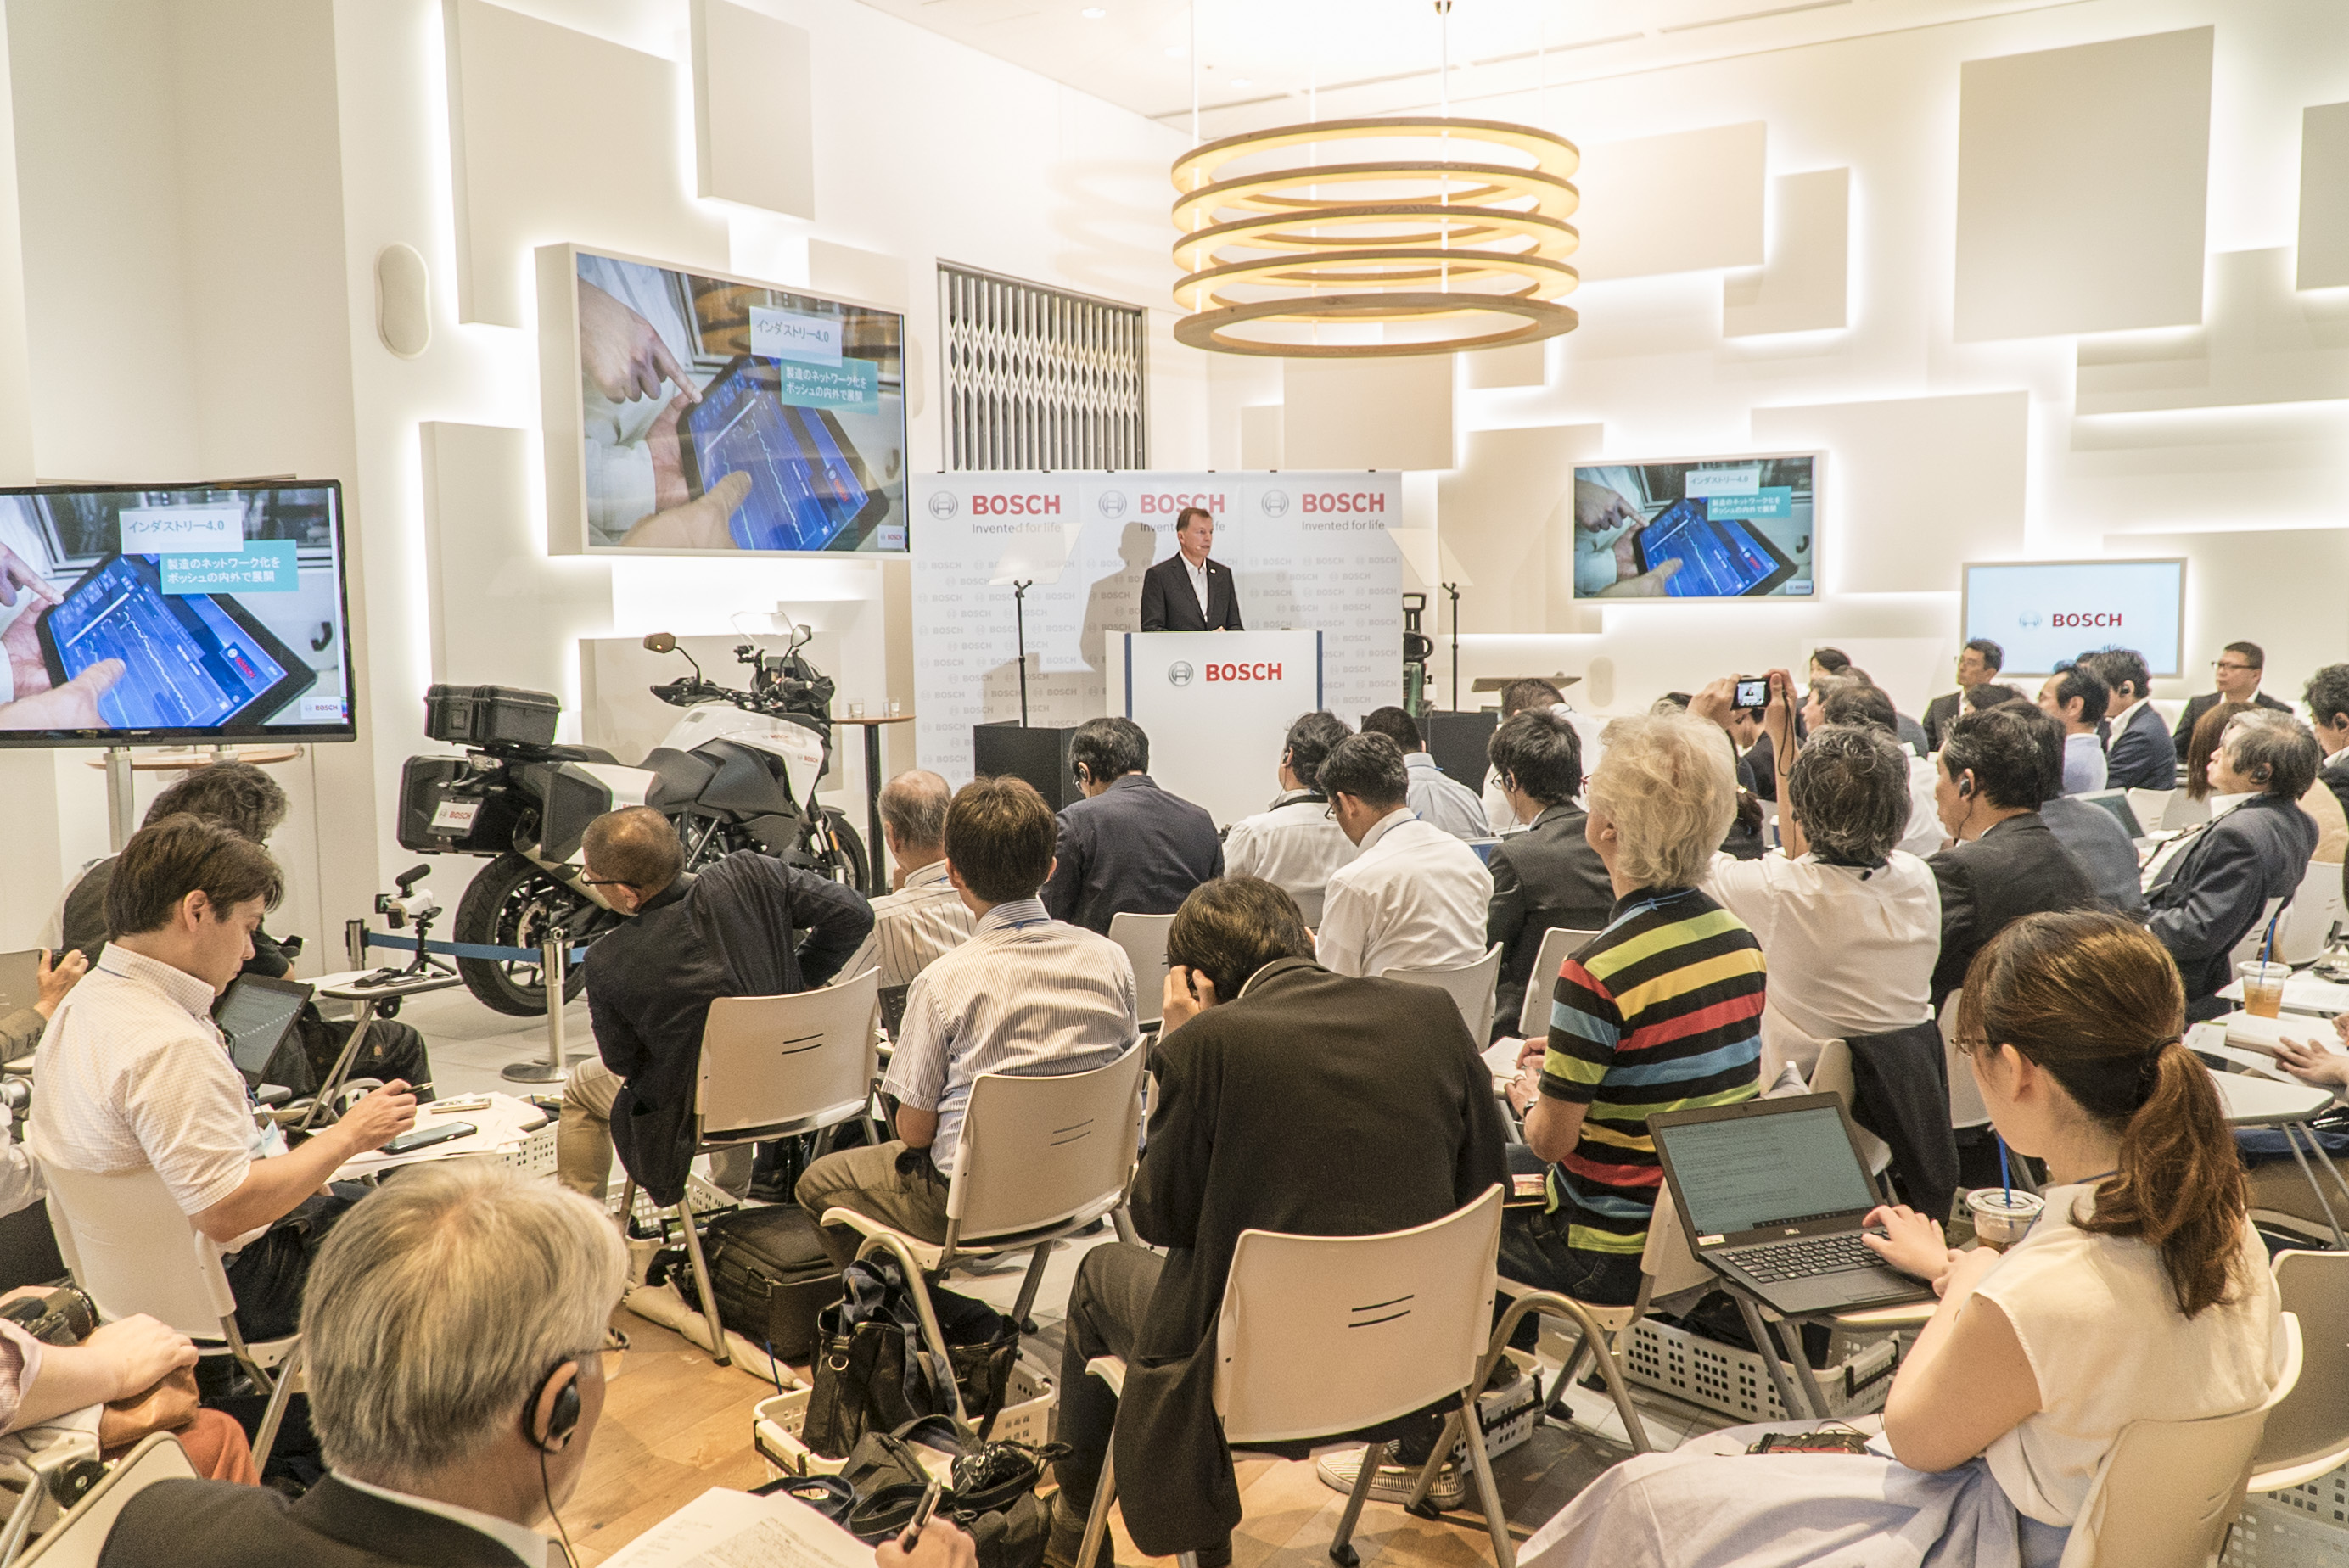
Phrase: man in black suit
[2238,668]
[1186,592]
[1405,1131]
[2093,834]
[1978,661]
[1128,847]
[2006,862]
[2138,754]
[1548,875]
[2210,888]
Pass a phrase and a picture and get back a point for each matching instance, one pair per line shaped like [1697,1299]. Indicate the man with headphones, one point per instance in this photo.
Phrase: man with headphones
[2002,861]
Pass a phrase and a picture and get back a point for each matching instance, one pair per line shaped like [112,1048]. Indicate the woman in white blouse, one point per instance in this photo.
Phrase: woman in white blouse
[2036,1358]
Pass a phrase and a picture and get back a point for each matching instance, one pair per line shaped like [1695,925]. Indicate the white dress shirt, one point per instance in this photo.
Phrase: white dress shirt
[913,927]
[1414,898]
[2084,764]
[133,1073]
[520,1540]
[1925,835]
[1499,817]
[1198,575]
[1440,799]
[1849,954]
[1295,846]
[1026,994]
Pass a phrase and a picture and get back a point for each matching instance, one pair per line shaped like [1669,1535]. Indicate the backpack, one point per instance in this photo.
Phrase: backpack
[770,1275]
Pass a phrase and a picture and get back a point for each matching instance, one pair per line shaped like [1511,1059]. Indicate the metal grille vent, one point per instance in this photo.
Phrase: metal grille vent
[1037,377]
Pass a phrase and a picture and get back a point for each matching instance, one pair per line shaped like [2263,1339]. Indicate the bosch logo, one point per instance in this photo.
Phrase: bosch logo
[1257,671]
[1174,503]
[1179,674]
[1345,500]
[1112,503]
[1274,503]
[1014,505]
[944,504]
[2101,618]
[2029,618]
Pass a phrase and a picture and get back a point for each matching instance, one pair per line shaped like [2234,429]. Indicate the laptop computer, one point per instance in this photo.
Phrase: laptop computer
[20,980]
[2116,801]
[1772,1194]
[256,1014]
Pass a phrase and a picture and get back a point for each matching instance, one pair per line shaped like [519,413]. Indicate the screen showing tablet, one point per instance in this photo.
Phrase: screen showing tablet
[190,660]
[1707,528]
[1720,559]
[256,1014]
[805,486]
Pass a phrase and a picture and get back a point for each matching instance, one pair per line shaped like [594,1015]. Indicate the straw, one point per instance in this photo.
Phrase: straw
[2266,948]
[2006,1187]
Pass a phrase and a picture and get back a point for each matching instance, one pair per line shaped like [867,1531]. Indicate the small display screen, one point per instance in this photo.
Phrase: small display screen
[255,1017]
[1718,560]
[1772,1168]
[1720,528]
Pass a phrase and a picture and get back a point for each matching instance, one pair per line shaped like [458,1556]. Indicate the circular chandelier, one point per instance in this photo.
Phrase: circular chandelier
[1356,239]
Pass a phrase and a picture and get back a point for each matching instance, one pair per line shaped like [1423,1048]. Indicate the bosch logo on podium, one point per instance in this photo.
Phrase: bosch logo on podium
[2099,618]
[1014,505]
[1257,671]
[1179,674]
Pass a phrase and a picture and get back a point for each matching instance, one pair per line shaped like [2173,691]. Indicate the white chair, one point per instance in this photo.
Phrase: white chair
[131,1251]
[774,1068]
[2149,806]
[1324,1335]
[2307,1432]
[1470,984]
[1557,943]
[1040,1157]
[1966,1108]
[2168,1492]
[76,1540]
[1143,937]
[2309,919]
[1831,1075]
[2255,939]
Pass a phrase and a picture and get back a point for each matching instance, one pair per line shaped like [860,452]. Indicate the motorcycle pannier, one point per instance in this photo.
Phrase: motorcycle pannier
[486,715]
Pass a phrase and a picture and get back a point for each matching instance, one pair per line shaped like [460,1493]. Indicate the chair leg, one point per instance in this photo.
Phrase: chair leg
[1416,1504]
[1505,1551]
[701,1281]
[1342,1546]
[265,1439]
[1791,1336]
[627,1207]
[919,1289]
[1097,1521]
[1760,1334]
[1028,1287]
[1122,1223]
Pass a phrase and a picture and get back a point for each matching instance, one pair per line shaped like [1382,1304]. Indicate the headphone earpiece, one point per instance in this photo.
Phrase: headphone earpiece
[1965,787]
[562,1419]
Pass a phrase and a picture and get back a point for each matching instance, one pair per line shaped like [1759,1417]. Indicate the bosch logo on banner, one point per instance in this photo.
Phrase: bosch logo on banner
[944,504]
[1274,503]
[2097,618]
[1173,502]
[1178,674]
[1257,671]
[1345,500]
[1015,505]
[1112,503]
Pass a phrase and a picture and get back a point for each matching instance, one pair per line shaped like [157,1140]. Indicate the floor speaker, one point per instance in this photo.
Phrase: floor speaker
[1456,741]
[1010,750]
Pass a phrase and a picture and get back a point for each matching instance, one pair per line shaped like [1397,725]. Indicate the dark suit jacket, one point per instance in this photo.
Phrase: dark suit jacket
[1548,875]
[2139,755]
[2213,890]
[2095,838]
[1403,1130]
[1939,714]
[1170,605]
[1134,849]
[218,1525]
[2184,734]
[2336,778]
[2017,868]
[731,930]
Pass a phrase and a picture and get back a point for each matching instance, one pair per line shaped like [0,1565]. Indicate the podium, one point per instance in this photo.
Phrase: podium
[1216,707]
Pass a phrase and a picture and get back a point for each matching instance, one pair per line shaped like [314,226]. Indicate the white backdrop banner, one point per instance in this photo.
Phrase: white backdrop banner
[1310,552]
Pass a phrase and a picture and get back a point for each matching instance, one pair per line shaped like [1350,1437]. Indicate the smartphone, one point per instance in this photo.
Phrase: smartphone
[1753,692]
[428,1137]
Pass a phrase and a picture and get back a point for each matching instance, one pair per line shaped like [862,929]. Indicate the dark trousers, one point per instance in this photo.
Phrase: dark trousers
[1534,1252]
[1105,1310]
[28,1249]
[268,1275]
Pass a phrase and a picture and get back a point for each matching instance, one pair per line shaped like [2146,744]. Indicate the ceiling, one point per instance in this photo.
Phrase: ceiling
[1271,62]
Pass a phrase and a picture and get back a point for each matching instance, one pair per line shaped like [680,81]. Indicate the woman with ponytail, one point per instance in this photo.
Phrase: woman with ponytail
[2141,1294]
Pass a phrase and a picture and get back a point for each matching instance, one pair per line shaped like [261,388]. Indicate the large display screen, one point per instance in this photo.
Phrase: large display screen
[2043,613]
[204,613]
[719,414]
[1724,528]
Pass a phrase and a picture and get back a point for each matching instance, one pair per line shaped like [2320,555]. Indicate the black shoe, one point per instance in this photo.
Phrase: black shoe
[775,1189]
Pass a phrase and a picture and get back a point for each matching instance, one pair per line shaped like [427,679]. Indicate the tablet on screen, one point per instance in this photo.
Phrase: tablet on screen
[190,660]
[1721,558]
[807,485]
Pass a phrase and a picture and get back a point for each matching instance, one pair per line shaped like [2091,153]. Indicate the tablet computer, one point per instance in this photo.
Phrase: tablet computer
[256,1013]
[191,661]
[1720,557]
[808,485]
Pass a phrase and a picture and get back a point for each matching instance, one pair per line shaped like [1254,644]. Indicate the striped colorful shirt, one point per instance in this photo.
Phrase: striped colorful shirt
[1662,1011]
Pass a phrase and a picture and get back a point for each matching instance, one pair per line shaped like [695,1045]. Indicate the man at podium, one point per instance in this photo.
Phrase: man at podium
[1186,592]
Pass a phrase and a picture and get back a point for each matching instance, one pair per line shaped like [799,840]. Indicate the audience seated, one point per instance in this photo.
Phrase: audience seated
[2075,698]
[1404,1130]
[2004,862]
[1437,797]
[1027,994]
[1849,922]
[2328,716]
[133,1075]
[1743,725]
[922,918]
[248,802]
[28,1249]
[2137,752]
[1978,662]
[145,1367]
[1414,897]
[20,1031]
[1524,697]
[1548,875]
[1988,695]
[748,927]
[2237,671]
[2208,889]
[1660,1011]
[2093,835]
[2143,1293]
[1848,702]
[1128,847]
[1297,843]
[2202,750]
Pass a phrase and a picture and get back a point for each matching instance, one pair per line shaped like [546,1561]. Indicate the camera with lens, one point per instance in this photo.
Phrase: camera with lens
[59,1316]
[1752,693]
[16,1095]
[410,903]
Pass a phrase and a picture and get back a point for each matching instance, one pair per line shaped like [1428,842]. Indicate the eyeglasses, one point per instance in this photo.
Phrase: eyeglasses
[2223,665]
[607,882]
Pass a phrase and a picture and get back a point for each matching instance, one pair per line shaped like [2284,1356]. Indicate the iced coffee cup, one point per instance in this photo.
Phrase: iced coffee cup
[2263,987]
[2002,1215]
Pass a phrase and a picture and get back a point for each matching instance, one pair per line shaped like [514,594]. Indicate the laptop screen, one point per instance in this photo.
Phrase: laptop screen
[1744,1173]
[254,1016]
[2117,803]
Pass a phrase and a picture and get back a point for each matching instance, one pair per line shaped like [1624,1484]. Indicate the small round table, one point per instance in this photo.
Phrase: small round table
[875,849]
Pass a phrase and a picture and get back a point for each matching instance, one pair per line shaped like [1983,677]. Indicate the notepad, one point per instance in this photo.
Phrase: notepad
[728,1529]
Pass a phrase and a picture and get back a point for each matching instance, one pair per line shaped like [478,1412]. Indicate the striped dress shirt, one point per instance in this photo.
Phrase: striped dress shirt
[913,927]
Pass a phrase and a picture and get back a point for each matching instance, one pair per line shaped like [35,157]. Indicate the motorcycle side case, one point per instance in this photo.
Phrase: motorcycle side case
[573,794]
[477,820]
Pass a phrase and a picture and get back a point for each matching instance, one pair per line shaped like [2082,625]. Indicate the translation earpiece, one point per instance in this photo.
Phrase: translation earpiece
[1965,787]
[562,1419]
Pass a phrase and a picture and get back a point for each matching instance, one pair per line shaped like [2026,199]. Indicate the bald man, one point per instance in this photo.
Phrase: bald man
[922,919]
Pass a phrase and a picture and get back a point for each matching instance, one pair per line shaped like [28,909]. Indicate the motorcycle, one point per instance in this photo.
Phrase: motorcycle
[739,770]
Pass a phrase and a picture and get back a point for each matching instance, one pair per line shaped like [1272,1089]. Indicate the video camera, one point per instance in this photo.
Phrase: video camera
[410,903]
[59,1316]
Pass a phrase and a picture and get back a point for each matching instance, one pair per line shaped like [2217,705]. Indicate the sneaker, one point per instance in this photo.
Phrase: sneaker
[1393,1482]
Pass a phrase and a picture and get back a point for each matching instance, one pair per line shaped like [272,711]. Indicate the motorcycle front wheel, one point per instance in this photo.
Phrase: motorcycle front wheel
[839,853]
[512,903]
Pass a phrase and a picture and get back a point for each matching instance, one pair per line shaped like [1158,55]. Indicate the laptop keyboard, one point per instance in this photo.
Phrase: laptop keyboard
[1773,1261]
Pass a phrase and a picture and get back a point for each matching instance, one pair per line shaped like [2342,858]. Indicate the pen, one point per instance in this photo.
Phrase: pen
[922,1512]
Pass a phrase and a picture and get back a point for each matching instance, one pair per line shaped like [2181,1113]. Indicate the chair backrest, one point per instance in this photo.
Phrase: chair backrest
[1143,937]
[1831,1075]
[1324,1335]
[1470,986]
[2183,811]
[1966,1107]
[2256,938]
[76,1540]
[133,1251]
[1670,1265]
[2309,921]
[2308,1431]
[1036,1151]
[2167,1490]
[2150,807]
[1541,980]
[766,1061]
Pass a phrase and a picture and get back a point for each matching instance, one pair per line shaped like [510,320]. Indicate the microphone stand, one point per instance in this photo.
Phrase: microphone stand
[1454,590]
[1019,619]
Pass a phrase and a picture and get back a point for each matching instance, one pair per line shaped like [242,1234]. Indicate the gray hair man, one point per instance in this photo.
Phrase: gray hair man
[922,920]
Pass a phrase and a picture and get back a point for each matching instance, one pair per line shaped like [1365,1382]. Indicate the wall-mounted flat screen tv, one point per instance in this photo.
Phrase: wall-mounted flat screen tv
[1715,528]
[2043,613]
[691,412]
[141,614]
